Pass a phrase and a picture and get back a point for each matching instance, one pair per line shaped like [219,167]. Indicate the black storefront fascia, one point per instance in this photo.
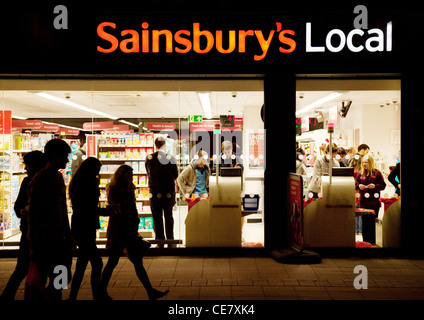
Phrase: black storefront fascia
[34,48]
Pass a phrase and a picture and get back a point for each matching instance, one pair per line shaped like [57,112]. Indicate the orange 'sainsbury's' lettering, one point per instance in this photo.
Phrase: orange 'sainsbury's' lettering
[134,40]
[242,39]
[263,43]
[288,41]
[232,42]
[108,37]
[183,41]
[198,40]
[155,40]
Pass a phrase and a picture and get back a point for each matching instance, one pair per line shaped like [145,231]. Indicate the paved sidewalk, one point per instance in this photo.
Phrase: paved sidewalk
[257,278]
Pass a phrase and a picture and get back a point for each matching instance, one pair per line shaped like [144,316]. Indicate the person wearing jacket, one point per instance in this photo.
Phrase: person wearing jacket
[49,233]
[34,161]
[194,179]
[369,181]
[84,193]
[394,178]
[162,172]
[321,168]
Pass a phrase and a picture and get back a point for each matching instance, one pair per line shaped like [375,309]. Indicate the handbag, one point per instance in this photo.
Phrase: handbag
[138,245]
[34,286]
[141,244]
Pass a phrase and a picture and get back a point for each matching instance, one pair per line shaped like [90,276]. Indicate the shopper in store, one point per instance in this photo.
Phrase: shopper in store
[349,154]
[194,179]
[341,154]
[321,168]
[394,178]
[78,157]
[84,193]
[229,157]
[48,225]
[300,164]
[122,232]
[370,182]
[162,172]
[356,160]
[34,161]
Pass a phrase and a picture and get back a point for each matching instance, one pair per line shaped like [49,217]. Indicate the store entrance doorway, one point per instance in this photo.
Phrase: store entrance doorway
[351,193]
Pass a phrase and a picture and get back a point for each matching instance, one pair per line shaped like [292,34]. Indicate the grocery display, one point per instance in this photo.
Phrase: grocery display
[116,149]
[12,171]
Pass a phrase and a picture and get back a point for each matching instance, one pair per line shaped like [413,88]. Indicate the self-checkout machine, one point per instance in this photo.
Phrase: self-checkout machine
[216,222]
[330,221]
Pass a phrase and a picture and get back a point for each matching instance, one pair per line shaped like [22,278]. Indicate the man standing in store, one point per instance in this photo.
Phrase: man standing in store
[162,171]
[48,225]
[79,156]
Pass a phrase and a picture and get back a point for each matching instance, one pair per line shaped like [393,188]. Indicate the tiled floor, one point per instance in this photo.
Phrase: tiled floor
[257,278]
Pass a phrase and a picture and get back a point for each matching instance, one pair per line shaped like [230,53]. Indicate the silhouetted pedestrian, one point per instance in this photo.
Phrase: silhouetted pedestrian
[84,193]
[48,225]
[34,161]
[122,231]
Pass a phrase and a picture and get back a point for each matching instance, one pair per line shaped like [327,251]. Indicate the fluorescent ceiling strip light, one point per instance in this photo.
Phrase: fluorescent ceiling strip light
[129,123]
[206,103]
[75,105]
[315,104]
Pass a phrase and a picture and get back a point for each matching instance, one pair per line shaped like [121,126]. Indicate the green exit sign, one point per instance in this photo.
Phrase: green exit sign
[198,118]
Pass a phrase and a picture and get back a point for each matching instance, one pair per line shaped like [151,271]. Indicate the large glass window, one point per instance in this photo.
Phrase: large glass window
[353,199]
[119,121]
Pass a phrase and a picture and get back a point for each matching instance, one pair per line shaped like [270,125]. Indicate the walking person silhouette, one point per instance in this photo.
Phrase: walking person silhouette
[34,161]
[84,193]
[48,225]
[122,231]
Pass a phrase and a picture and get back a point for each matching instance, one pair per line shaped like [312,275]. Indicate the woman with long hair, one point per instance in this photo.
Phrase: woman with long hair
[122,232]
[84,193]
[369,181]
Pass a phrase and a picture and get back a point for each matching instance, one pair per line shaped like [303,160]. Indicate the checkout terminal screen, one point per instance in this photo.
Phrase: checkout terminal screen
[230,172]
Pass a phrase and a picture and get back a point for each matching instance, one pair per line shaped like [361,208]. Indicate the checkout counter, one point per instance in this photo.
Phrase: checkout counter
[216,222]
[330,221]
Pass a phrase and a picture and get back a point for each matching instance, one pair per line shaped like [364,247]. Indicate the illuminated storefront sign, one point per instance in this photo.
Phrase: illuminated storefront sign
[202,40]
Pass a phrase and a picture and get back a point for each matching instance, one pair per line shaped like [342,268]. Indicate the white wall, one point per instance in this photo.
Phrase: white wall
[376,125]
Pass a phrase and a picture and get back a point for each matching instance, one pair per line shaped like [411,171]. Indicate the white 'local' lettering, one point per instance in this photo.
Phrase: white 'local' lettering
[375,41]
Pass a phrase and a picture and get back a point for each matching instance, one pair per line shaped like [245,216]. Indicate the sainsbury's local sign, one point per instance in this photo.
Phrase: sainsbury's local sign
[199,40]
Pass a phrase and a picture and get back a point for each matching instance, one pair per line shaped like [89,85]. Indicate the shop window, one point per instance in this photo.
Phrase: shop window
[361,118]
[118,122]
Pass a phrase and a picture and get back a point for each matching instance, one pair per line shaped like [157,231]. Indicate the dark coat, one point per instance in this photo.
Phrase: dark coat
[162,172]
[372,200]
[85,217]
[123,221]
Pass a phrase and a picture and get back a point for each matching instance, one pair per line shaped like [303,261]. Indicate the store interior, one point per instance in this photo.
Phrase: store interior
[362,112]
[81,110]
[67,107]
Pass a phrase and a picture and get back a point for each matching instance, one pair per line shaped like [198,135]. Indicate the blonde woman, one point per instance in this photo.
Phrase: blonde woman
[369,181]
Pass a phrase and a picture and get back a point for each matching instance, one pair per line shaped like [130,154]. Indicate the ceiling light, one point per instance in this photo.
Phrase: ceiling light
[129,123]
[75,105]
[206,103]
[330,97]
[18,117]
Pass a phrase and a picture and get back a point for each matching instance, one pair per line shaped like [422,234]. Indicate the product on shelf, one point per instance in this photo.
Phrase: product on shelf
[148,222]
